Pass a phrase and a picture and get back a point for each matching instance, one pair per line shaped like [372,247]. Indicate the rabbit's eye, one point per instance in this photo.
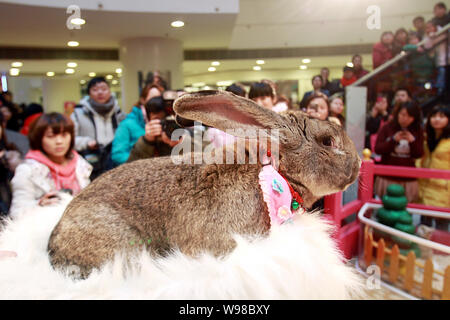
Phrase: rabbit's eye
[329,142]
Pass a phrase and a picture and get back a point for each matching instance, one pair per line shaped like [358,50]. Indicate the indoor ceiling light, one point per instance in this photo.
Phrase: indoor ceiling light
[199,84]
[50,74]
[92,74]
[16,64]
[303,67]
[224,83]
[72,64]
[118,70]
[14,72]
[78,21]
[177,24]
[215,63]
[82,81]
[349,64]
[73,43]
[109,76]
[256,68]
[69,71]
[115,82]
[306,60]
[211,69]
[260,62]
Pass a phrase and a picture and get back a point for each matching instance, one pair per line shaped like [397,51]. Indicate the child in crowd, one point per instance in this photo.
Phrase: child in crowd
[436,192]
[399,143]
[51,166]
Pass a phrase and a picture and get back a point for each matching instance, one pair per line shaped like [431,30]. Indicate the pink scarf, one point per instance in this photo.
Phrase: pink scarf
[64,176]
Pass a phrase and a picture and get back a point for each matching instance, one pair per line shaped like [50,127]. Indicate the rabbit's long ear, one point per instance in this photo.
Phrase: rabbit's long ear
[224,110]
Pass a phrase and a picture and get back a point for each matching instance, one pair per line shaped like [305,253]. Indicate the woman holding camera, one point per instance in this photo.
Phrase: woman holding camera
[51,166]
[133,127]
[155,142]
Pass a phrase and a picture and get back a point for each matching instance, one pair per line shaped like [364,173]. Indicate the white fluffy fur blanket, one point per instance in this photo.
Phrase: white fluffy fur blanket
[297,261]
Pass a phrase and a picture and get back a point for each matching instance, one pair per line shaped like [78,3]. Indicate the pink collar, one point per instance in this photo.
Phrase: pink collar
[281,200]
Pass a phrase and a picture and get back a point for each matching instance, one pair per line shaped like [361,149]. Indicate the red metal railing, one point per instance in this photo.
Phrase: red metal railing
[347,235]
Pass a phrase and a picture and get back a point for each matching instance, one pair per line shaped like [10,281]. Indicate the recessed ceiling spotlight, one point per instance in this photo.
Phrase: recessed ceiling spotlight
[16,64]
[118,70]
[306,60]
[72,64]
[256,68]
[14,72]
[92,74]
[303,67]
[177,24]
[211,69]
[73,43]
[78,21]
[349,64]
[260,62]
[109,77]
[215,63]
[82,81]
[50,74]
[115,82]
[69,71]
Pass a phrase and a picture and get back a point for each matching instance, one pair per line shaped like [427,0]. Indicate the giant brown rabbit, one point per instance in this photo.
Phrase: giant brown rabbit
[200,207]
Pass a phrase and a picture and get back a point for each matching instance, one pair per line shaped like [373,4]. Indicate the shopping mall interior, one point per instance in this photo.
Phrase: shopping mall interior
[221,42]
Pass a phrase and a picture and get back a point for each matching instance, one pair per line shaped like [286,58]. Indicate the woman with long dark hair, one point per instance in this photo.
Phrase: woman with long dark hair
[400,142]
[436,192]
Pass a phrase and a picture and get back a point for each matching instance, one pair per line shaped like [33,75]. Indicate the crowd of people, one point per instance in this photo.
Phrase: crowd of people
[53,153]
[427,69]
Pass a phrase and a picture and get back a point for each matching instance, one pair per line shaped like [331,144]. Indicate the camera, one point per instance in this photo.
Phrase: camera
[169,125]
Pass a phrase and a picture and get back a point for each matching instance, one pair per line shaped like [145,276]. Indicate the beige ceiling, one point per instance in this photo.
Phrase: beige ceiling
[35,26]
[258,24]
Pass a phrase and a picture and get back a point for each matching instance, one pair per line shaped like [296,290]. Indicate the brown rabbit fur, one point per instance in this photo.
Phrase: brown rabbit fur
[198,208]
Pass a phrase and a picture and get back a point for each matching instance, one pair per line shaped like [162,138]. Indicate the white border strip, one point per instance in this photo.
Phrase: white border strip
[404,235]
